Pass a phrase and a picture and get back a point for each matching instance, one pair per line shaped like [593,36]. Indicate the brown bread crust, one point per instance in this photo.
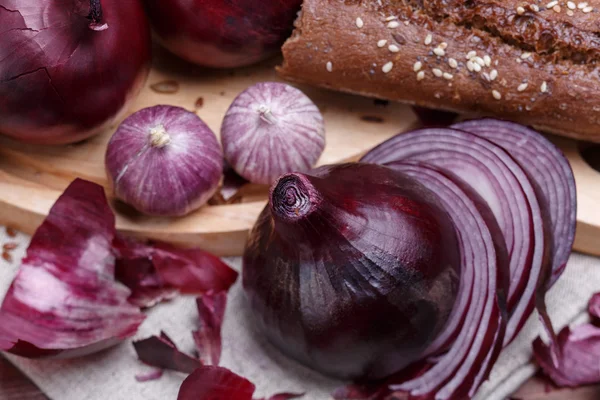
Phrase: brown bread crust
[545,59]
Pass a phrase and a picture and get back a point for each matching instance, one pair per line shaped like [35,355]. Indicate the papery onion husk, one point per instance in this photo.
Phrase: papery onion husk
[64,301]
[502,183]
[158,271]
[211,311]
[164,161]
[161,351]
[352,269]
[222,34]
[211,382]
[69,68]
[271,129]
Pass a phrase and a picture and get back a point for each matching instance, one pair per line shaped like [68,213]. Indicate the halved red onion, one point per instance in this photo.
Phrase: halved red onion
[550,173]
[475,330]
[64,300]
[211,310]
[502,183]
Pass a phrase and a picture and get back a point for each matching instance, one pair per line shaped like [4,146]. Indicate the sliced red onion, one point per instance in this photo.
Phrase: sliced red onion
[164,160]
[159,271]
[284,396]
[160,351]
[271,129]
[549,172]
[502,183]
[476,324]
[211,310]
[64,300]
[210,382]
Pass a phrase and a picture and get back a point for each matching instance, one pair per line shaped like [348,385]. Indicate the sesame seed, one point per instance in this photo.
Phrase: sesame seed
[359,22]
[525,55]
[391,18]
[520,10]
[556,9]
[439,52]
[588,9]
[417,66]
[437,72]
[448,76]
[582,5]
[452,63]
[421,75]
[381,43]
[544,87]
[393,48]
[570,13]
[552,4]
[471,54]
[407,22]
[479,61]
[428,39]
[470,65]
[571,5]
[493,74]
[534,7]
[476,67]
[393,24]
[487,60]
[329,66]
[486,76]
[387,67]
[518,60]
[443,45]
[496,94]
[522,87]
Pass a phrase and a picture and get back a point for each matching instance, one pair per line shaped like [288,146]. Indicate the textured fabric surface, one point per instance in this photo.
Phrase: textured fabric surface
[110,374]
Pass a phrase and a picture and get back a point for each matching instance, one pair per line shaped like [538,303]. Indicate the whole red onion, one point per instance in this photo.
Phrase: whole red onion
[68,68]
[164,160]
[222,34]
[270,129]
[352,269]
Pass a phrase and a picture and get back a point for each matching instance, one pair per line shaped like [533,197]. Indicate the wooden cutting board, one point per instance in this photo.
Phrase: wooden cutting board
[32,177]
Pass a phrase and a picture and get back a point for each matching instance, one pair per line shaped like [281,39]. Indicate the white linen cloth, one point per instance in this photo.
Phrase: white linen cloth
[110,375]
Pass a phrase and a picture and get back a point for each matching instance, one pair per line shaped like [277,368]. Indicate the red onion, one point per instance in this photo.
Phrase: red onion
[550,174]
[271,129]
[68,68]
[475,330]
[67,303]
[164,160]
[217,33]
[352,269]
[210,382]
[502,183]
[161,351]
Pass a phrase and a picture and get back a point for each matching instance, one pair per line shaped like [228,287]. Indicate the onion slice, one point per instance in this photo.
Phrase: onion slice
[479,308]
[551,176]
[65,301]
[502,183]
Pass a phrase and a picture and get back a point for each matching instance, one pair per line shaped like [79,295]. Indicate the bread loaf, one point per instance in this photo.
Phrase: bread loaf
[532,62]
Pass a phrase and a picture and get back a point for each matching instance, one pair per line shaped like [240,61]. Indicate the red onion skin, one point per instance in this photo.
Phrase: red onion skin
[341,267]
[171,178]
[222,34]
[82,79]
